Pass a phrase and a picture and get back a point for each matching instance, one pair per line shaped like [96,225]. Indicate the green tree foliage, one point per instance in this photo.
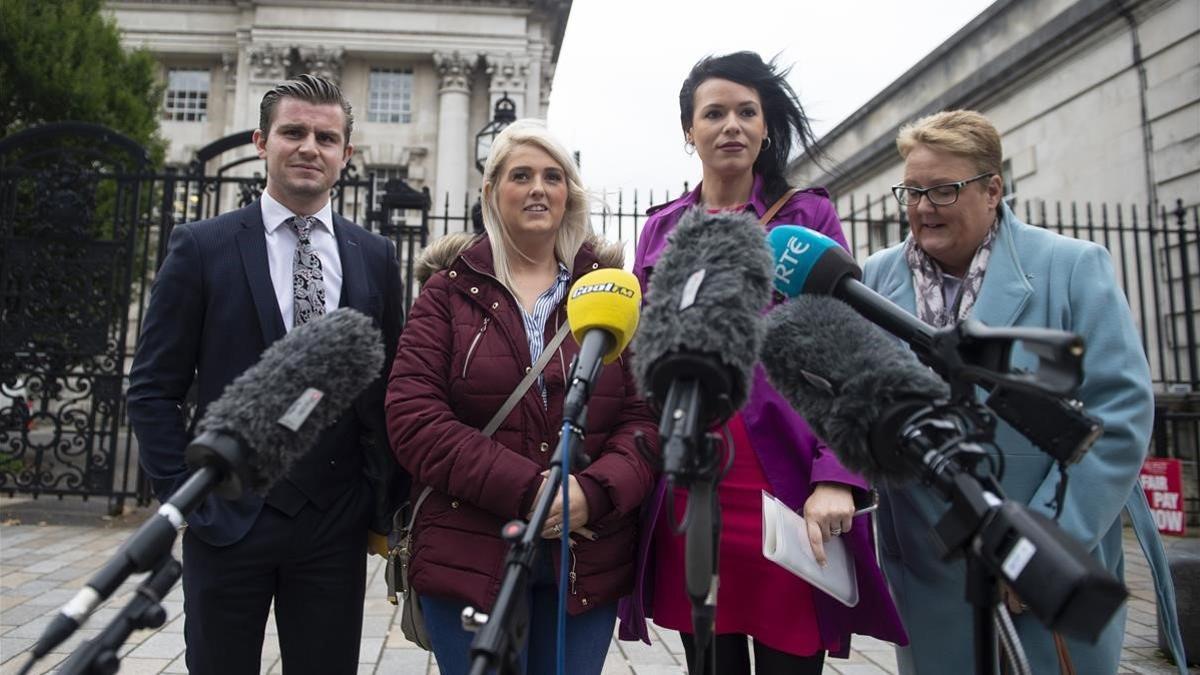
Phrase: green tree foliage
[63,60]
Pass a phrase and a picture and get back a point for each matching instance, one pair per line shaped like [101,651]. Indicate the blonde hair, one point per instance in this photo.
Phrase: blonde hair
[575,227]
[965,133]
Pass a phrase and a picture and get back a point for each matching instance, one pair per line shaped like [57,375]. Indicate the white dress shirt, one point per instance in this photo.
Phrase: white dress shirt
[281,250]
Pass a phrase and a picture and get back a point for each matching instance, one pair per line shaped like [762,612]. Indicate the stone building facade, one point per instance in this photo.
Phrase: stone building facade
[423,75]
[1096,101]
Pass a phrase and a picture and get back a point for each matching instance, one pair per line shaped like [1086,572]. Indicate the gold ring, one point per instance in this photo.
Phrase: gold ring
[557,529]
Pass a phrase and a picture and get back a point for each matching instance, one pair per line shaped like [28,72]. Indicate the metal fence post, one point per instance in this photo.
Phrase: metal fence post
[1189,309]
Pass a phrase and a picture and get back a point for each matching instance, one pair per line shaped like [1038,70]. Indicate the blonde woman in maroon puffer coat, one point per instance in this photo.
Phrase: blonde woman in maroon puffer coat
[490,305]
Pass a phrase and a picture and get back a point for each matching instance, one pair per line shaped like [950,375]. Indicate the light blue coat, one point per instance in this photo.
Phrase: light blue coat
[1035,278]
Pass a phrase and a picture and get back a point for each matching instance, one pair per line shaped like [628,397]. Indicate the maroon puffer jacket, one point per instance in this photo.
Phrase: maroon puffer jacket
[462,352]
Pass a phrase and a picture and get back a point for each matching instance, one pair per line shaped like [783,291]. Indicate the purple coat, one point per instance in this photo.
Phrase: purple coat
[792,457]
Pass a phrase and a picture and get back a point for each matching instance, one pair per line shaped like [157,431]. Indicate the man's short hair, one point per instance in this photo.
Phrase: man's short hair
[307,87]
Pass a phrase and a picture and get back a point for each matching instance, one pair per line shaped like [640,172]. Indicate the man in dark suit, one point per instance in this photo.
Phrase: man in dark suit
[228,288]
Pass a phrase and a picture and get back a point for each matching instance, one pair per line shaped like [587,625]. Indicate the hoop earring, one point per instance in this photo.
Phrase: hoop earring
[689,148]
[766,144]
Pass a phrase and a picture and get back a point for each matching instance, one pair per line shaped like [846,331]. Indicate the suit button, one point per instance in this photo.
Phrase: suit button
[474,289]
[453,274]
[333,462]
[454,504]
[544,447]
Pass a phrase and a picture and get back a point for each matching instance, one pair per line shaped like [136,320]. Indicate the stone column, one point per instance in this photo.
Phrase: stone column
[230,64]
[533,84]
[454,139]
[547,74]
[268,67]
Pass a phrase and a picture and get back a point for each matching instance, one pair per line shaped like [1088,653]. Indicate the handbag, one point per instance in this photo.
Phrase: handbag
[400,541]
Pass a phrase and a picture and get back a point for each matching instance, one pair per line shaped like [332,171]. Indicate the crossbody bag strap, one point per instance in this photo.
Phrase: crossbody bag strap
[523,385]
[509,403]
[766,218]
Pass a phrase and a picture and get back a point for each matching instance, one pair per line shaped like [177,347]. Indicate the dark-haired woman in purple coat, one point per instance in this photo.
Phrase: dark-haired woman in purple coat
[740,116]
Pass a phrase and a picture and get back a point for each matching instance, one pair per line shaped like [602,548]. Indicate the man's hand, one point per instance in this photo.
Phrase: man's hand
[377,544]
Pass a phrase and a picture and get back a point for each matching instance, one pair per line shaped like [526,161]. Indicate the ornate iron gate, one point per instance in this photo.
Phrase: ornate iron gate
[69,214]
[84,224]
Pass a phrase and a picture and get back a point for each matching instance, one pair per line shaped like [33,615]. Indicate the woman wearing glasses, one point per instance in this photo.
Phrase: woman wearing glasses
[969,256]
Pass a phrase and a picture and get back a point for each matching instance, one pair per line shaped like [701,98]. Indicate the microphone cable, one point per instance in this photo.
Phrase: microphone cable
[1011,642]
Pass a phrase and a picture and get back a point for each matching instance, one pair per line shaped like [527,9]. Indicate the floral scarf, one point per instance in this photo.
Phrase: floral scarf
[927,281]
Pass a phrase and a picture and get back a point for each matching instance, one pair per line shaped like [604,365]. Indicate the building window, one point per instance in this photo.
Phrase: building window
[187,96]
[390,97]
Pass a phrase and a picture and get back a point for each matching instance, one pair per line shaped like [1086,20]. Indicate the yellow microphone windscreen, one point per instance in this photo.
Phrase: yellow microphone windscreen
[608,299]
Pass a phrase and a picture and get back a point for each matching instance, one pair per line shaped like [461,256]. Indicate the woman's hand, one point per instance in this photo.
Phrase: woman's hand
[829,512]
[579,510]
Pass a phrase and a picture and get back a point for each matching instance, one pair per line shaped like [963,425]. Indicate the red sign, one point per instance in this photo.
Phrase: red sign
[1163,483]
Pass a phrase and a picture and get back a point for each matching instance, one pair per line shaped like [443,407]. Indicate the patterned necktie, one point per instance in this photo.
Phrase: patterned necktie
[308,283]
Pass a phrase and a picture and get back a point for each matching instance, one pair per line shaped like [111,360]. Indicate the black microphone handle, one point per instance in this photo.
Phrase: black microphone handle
[596,342]
[702,521]
[703,534]
[680,428]
[144,610]
[885,314]
[154,538]
[140,553]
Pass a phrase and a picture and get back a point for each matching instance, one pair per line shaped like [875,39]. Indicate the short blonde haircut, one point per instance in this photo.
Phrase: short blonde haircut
[575,227]
[965,133]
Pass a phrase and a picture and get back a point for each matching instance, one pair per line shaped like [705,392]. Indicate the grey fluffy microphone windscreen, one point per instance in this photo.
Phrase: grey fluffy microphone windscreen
[299,386]
[706,295]
[841,373]
[264,421]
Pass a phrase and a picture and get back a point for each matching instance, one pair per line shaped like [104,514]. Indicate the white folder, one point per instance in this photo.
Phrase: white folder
[785,543]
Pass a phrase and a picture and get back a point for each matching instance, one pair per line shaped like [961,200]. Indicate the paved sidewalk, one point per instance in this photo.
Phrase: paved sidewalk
[49,549]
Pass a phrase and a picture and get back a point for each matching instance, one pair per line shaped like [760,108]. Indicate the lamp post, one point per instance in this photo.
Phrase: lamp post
[505,113]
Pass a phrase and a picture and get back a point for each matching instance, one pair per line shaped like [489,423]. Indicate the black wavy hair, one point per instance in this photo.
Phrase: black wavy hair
[784,116]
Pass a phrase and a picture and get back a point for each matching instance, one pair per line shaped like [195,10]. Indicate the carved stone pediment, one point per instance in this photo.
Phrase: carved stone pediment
[455,69]
[507,74]
[270,63]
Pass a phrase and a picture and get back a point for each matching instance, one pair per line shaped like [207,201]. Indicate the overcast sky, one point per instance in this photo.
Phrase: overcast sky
[616,89]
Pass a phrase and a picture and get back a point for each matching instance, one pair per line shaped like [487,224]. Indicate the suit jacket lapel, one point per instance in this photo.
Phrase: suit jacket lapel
[252,245]
[1005,290]
[355,289]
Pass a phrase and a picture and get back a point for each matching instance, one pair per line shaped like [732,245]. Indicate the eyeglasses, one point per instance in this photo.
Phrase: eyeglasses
[938,195]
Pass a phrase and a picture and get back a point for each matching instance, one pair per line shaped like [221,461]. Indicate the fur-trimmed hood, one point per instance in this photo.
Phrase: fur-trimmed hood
[441,253]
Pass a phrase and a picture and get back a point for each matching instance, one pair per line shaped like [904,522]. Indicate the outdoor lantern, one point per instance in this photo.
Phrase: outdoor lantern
[504,114]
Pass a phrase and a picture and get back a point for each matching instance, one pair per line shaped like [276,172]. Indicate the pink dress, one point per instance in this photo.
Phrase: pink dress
[756,597]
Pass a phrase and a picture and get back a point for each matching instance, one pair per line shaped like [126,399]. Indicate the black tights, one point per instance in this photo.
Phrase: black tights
[733,658]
